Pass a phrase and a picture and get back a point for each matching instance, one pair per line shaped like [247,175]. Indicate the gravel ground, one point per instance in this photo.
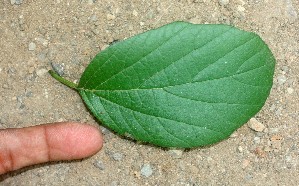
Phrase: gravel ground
[36,36]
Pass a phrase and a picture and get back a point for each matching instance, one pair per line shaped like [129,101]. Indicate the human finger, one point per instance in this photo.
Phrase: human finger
[49,142]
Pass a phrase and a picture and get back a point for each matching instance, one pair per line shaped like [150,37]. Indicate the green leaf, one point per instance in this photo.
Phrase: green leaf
[181,85]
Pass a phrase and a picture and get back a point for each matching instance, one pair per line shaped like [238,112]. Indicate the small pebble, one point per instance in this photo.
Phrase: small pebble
[28,94]
[137,174]
[278,111]
[223,2]
[285,69]
[32,46]
[11,70]
[110,17]
[273,107]
[209,159]
[240,8]
[276,138]
[41,56]
[31,70]
[177,154]
[97,23]
[281,79]
[42,41]
[290,90]
[90,2]
[46,94]
[58,68]
[267,149]
[117,156]
[288,158]
[256,125]
[18,2]
[93,18]
[273,130]
[20,103]
[105,131]
[245,163]
[260,152]
[135,13]
[99,164]
[248,177]
[5,86]
[21,23]
[41,72]
[291,10]
[2,121]
[261,134]
[276,141]
[240,149]
[146,170]
[257,140]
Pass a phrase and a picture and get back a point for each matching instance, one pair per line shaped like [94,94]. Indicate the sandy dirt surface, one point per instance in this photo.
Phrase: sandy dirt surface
[36,35]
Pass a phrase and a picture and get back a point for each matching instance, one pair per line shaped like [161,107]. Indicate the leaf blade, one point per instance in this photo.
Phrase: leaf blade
[193,87]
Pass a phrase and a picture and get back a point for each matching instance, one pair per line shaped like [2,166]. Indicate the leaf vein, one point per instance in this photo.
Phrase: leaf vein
[98,68]
[151,115]
[93,108]
[187,54]
[129,129]
[169,133]
[133,113]
[235,48]
[138,61]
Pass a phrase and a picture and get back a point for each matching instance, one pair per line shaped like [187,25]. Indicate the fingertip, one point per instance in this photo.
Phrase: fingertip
[94,139]
[72,140]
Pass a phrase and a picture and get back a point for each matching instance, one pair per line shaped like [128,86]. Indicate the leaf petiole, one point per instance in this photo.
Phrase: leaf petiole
[62,80]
